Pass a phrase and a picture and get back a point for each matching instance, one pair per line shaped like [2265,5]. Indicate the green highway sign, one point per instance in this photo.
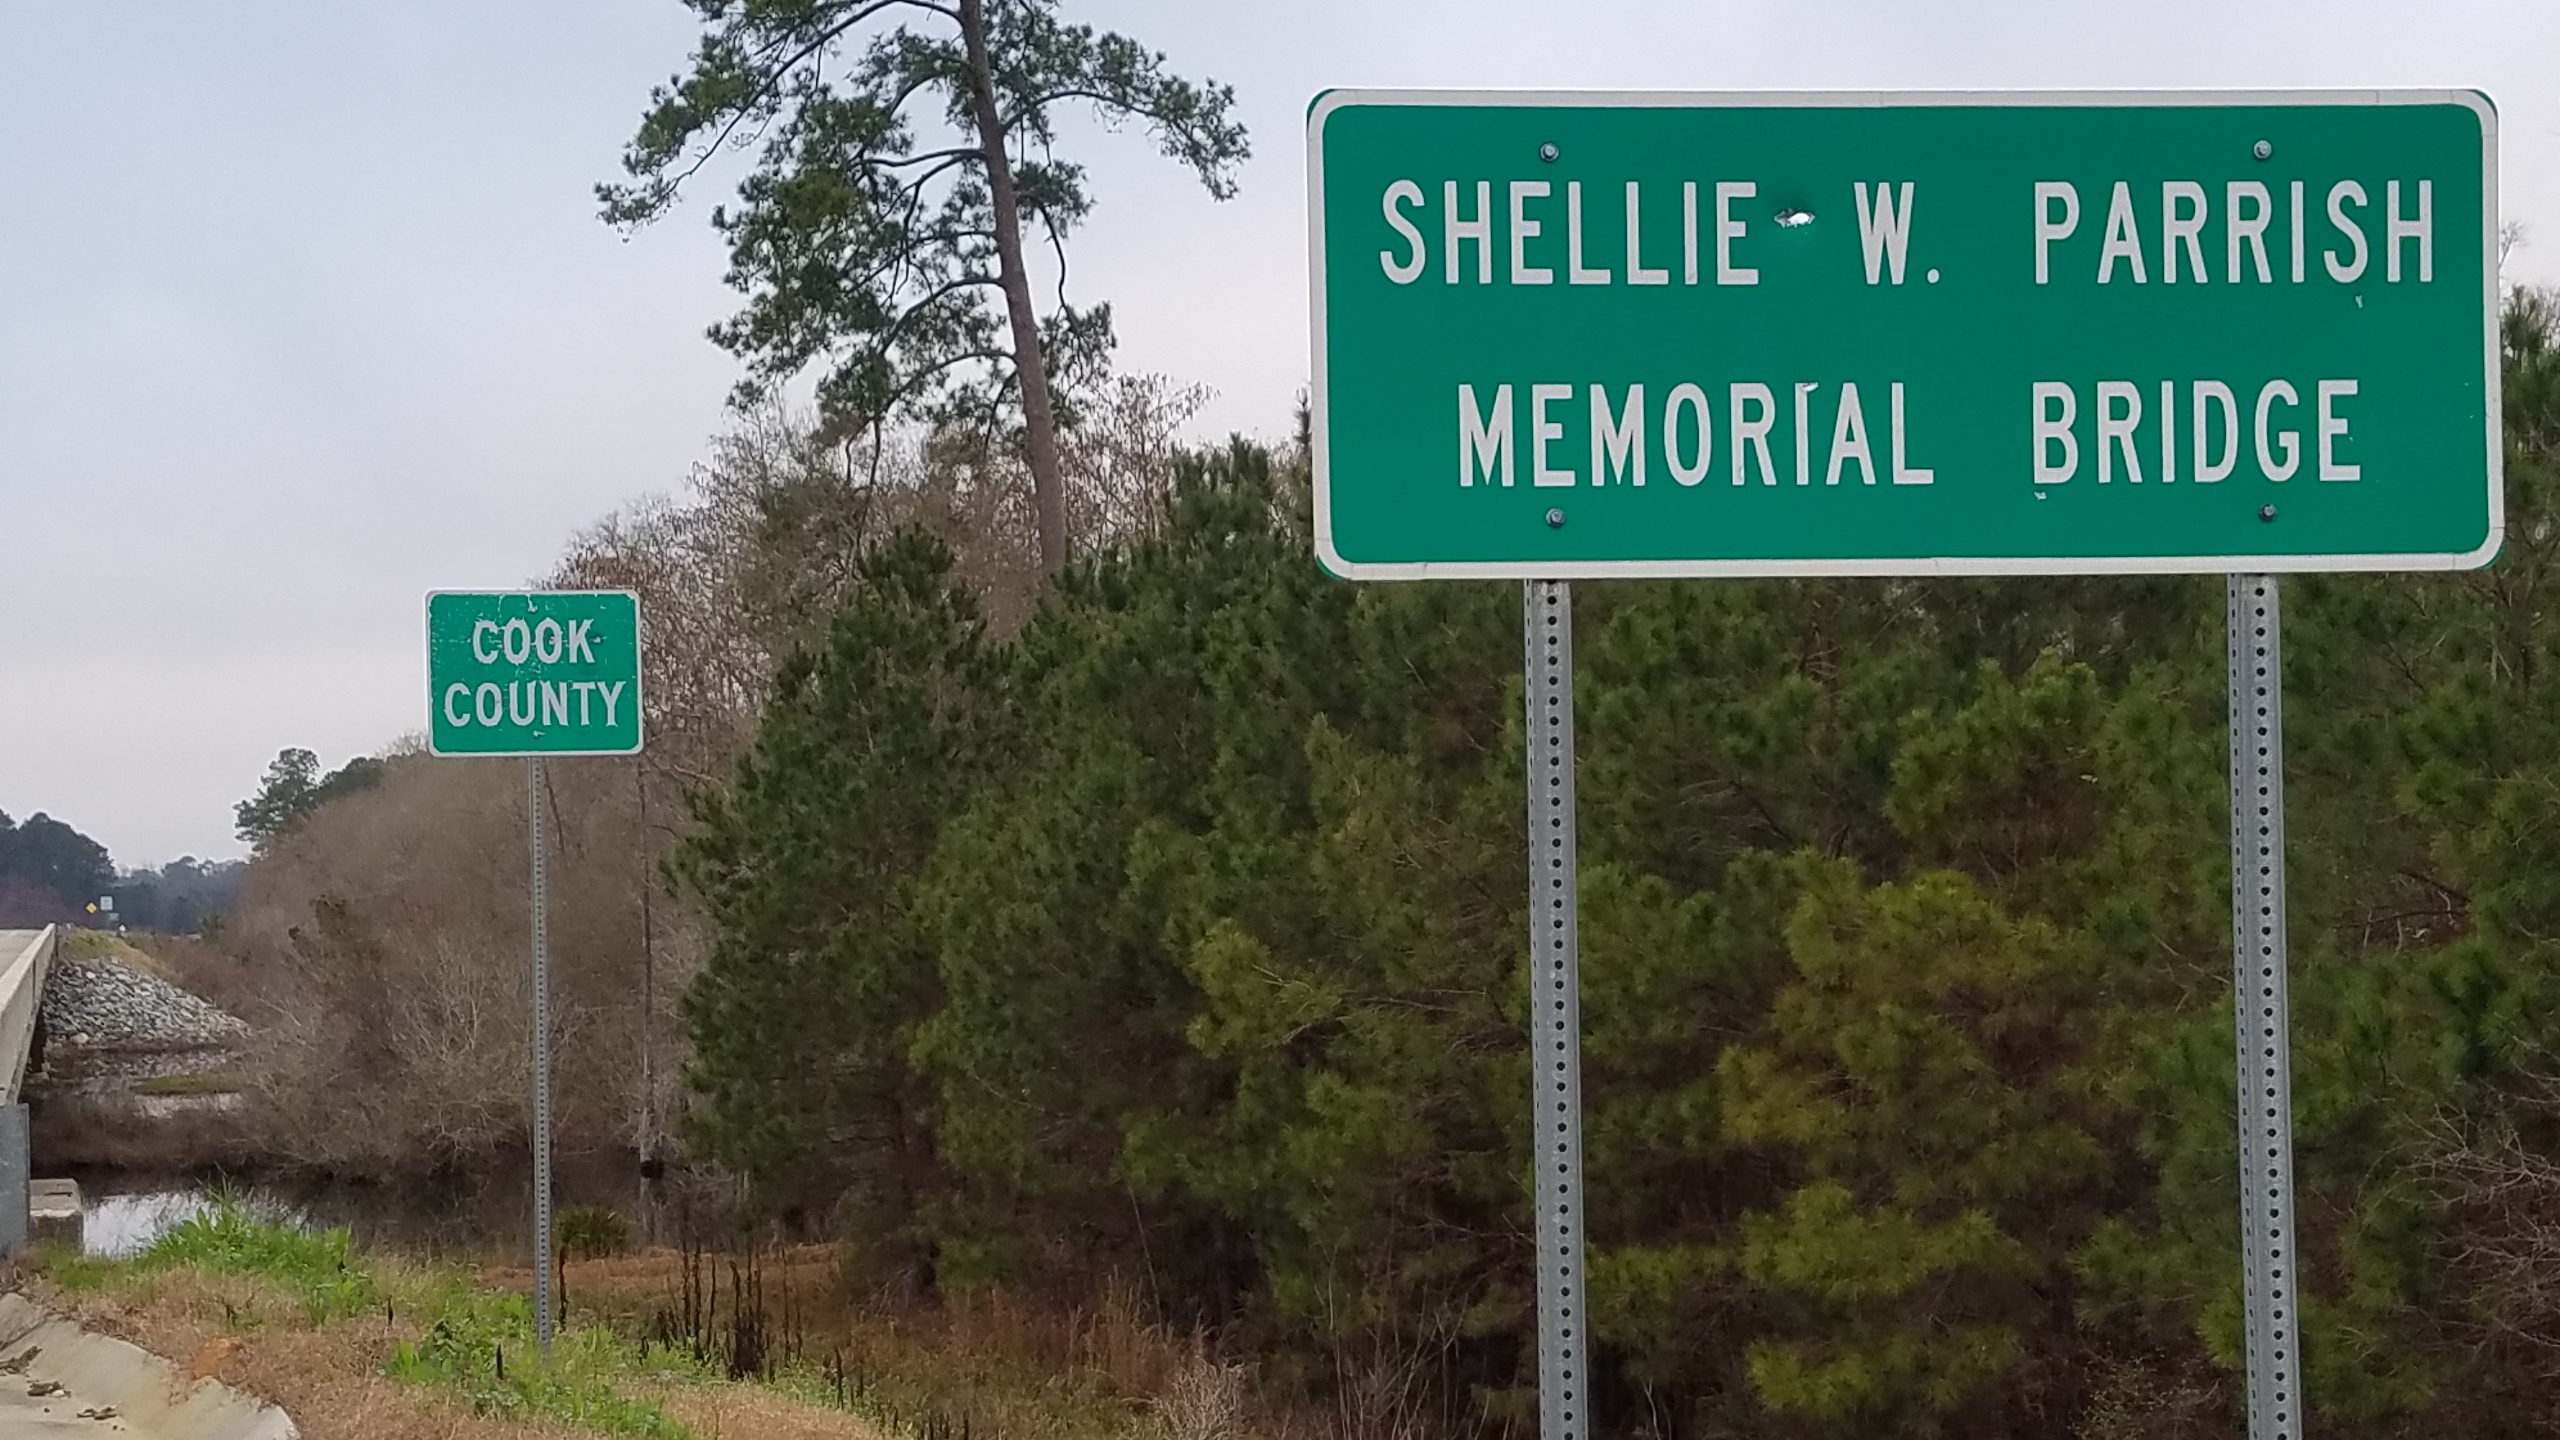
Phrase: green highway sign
[544,672]
[1579,335]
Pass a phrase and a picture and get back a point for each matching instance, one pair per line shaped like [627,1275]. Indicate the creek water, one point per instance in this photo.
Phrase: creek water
[484,1217]
[118,1226]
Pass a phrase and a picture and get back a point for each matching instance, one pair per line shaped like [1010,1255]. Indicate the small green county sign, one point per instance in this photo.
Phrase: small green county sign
[521,672]
[1562,335]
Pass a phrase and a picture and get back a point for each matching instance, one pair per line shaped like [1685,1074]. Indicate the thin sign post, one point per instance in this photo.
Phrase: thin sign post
[2254,643]
[535,674]
[1563,336]
[1555,995]
[535,809]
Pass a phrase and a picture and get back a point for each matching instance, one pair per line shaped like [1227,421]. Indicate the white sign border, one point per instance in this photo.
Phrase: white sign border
[1328,101]
[639,674]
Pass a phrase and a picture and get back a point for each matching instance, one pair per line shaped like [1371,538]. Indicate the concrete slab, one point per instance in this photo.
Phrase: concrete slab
[40,1350]
[54,1212]
[33,1418]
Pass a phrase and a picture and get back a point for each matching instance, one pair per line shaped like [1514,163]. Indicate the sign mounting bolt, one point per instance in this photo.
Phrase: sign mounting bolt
[2263,150]
[2266,512]
[1548,152]
[1555,519]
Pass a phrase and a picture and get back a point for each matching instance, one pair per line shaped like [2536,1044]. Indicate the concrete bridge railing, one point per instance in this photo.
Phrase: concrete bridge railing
[26,957]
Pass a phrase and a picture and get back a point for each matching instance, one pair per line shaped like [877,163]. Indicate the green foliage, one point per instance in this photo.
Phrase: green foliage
[317,1267]
[820,970]
[1930,1071]
[1184,934]
[478,1343]
[867,236]
[591,1232]
[481,1345]
[89,945]
[67,1266]
[293,788]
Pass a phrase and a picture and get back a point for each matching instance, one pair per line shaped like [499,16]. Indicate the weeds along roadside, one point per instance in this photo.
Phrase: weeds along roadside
[325,1321]
[427,1326]
[967,1364]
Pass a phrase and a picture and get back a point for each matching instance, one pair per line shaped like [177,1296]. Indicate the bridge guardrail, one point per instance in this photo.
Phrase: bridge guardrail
[22,977]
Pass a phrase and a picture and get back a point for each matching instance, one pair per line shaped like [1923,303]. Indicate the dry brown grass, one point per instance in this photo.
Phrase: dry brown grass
[981,1362]
[226,980]
[125,952]
[632,1287]
[987,1361]
[330,1380]
[747,1412]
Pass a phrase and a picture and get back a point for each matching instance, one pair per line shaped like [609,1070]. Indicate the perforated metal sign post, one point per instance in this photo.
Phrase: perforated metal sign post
[2254,641]
[535,673]
[535,784]
[1562,335]
[1555,997]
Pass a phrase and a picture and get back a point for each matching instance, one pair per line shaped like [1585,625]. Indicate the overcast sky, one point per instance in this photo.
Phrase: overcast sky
[304,309]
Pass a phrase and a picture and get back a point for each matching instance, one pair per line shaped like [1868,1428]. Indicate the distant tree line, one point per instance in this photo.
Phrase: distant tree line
[49,872]
[1181,934]
[187,896]
[52,874]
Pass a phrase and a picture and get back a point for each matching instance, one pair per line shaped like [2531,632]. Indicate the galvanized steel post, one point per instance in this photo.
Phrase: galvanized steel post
[2256,647]
[534,814]
[1555,1029]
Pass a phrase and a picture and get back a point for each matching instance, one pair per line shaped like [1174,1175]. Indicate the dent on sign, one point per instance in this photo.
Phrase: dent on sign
[533,673]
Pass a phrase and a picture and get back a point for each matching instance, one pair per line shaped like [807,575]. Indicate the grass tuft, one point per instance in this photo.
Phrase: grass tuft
[591,1232]
[89,945]
[316,1267]
[79,1273]
[482,1345]
[477,1343]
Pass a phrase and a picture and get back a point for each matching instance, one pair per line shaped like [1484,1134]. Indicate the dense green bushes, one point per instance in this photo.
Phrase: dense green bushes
[1183,934]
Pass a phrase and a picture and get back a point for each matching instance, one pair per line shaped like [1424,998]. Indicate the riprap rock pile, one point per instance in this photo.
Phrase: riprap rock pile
[107,1004]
